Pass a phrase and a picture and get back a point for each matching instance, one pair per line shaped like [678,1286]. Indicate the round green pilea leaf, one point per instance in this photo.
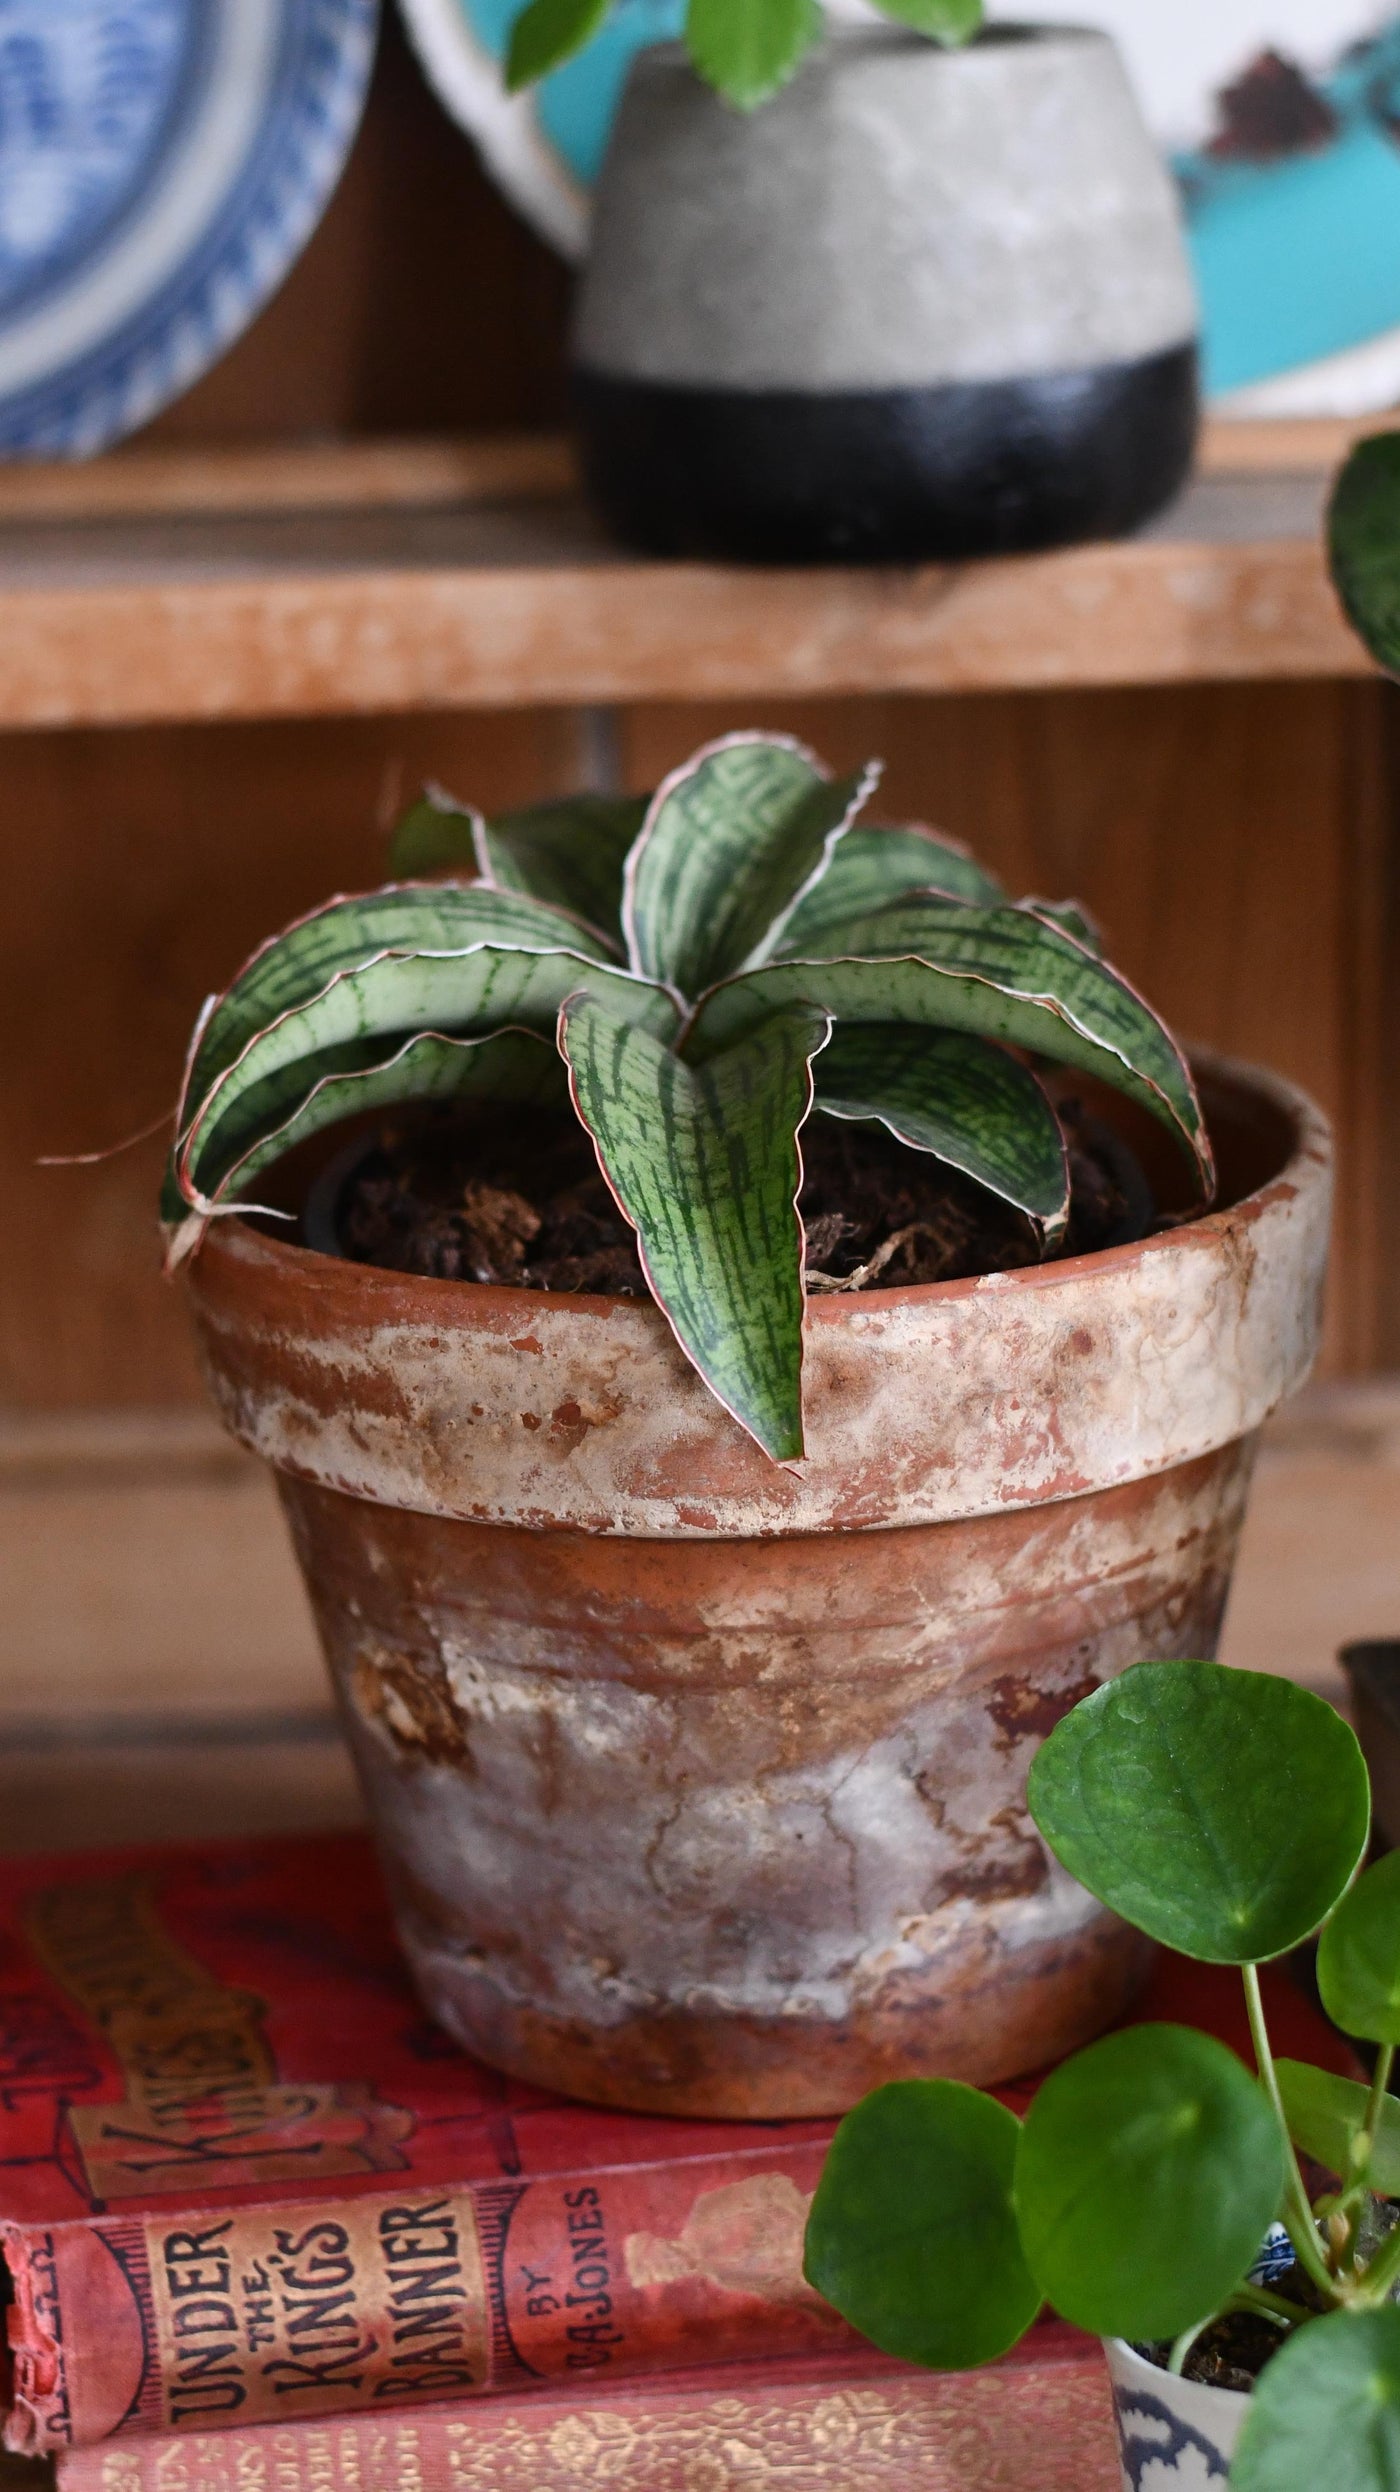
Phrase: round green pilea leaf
[912,2234]
[1326,2411]
[1149,2170]
[1358,1961]
[1222,1811]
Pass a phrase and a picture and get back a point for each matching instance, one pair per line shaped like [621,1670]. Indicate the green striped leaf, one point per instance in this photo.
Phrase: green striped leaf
[436,833]
[1072,919]
[704,1162]
[570,853]
[969,1104]
[298,964]
[402,917]
[1363,530]
[871,866]
[731,842]
[1002,973]
[518,1066]
[466,994]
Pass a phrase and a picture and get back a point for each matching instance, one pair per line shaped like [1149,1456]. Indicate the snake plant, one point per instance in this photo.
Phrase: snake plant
[696,971]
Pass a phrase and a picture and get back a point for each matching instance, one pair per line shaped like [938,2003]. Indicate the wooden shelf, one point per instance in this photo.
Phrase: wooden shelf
[451,575]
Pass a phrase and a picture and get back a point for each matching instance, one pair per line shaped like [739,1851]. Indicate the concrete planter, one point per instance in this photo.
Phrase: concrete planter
[700,1781]
[1174,2435]
[922,303]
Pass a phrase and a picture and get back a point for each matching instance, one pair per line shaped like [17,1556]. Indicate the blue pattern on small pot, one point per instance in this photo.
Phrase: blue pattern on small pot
[1174,2435]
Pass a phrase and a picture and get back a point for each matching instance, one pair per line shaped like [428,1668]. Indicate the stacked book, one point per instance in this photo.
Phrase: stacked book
[267,2230]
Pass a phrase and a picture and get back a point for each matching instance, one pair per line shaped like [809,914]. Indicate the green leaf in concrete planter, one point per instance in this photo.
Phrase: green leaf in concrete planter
[1001,973]
[747,49]
[394,995]
[1363,527]
[871,866]
[913,2235]
[1222,1811]
[1358,1960]
[705,1166]
[548,32]
[1326,2112]
[1149,2169]
[969,1104]
[731,842]
[1325,2412]
[945,21]
[518,1066]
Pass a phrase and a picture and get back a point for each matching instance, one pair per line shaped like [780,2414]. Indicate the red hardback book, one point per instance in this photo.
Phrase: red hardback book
[243,2179]
[1042,2421]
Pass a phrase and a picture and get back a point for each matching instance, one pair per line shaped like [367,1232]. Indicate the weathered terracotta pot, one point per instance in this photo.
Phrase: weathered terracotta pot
[700,1782]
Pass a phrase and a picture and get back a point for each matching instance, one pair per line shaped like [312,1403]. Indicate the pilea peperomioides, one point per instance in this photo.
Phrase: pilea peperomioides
[697,972]
[1227,1814]
[745,49]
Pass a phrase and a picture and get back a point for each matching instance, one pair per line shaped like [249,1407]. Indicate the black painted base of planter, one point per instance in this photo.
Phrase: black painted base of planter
[897,475]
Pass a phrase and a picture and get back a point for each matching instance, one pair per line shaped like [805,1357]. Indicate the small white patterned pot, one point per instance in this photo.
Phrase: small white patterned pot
[1174,2435]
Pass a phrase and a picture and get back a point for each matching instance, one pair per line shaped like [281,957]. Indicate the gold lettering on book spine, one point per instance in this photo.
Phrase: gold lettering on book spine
[269,2314]
[203,2109]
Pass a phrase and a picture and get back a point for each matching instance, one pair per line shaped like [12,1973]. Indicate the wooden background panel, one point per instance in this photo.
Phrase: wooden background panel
[421,304]
[1231,841]
[141,867]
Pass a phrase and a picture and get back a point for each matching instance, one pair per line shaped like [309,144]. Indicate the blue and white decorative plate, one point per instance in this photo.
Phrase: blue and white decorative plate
[162,163]
[1292,183]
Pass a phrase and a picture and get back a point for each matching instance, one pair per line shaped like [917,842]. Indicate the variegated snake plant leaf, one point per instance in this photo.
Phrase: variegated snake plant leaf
[697,972]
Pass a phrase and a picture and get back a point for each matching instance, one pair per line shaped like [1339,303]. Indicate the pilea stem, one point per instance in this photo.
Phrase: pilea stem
[1269,2305]
[1298,2214]
[1377,2279]
[1253,2297]
[1177,2358]
[1380,2087]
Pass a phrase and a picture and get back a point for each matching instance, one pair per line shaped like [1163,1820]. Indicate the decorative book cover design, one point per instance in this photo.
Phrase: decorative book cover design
[242,2178]
[1042,2421]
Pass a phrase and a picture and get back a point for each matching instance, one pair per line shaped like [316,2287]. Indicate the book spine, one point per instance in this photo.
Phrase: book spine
[195,2321]
[1046,2424]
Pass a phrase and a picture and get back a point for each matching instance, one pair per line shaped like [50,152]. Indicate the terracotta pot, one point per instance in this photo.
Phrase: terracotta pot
[700,1782]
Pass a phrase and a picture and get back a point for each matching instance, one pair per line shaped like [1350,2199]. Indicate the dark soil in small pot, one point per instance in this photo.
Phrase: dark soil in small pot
[923,303]
[1235,2348]
[700,1779]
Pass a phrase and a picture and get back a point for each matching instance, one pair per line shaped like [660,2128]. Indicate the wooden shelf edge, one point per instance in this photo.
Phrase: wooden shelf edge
[543,615]
[357,643]
[437,469]
[292,476]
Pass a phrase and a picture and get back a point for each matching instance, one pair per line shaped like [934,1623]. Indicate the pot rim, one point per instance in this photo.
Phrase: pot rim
[1006,36]
[930,1404]
[1126,2353]
[1311,1141]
